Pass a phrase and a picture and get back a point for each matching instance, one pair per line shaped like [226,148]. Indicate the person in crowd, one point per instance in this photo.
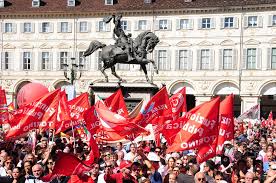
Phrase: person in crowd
[95,171]
[130,156]
[6,170]
[200,177]
[17,176]
[249,176]
[27,168]
[172,178]
[119,147]
[209,168]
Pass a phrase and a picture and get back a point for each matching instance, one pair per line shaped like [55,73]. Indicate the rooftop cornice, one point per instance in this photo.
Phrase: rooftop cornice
[72,14]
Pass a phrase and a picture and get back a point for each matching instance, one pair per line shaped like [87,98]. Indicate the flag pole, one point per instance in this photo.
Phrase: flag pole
[74,143]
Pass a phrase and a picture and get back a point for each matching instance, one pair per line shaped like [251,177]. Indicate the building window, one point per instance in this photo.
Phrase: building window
[227,59]
[6,62]
[273,58]
[63,58]
[124,25]
[184,24]
[64,27]
[108,2]
[252,21]
[102,26]
[162,58]
[251,58]
[99,60]
[71,3]
[274,20]
[45,27]
[36,3]
[83,65]
[45,58]
[183,59]
[163,24]
[205,59]
[26,60]
[83,27]
[206,23]
[229,22]
[2,3]
[142,25]
[27,27]
[8,27]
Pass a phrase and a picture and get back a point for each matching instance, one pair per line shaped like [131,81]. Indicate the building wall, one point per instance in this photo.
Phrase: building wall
[249,84]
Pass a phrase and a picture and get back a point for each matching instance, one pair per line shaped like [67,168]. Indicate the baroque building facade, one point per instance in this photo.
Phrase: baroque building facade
[211,47]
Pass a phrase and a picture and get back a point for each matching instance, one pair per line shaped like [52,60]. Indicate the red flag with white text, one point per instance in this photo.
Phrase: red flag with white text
[226,122]
[39,114]
[178,102]
[159,105]
[116,103]
[198,128]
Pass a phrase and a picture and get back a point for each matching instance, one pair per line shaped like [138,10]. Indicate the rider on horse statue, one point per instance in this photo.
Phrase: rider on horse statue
[123,41]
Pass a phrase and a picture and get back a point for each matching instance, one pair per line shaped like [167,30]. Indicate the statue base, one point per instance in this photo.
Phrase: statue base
[133,92]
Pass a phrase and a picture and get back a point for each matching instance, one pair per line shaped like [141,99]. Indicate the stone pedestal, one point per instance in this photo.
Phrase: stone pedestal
[133,92]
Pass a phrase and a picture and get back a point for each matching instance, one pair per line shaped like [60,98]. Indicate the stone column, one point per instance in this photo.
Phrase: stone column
[201,99]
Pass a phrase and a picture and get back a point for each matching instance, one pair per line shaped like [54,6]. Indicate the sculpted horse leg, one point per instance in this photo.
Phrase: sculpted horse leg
[115,74]
[103,71]
[144,68]
[154,66]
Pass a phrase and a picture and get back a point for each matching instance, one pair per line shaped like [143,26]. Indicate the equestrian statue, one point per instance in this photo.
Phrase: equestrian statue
[125,50]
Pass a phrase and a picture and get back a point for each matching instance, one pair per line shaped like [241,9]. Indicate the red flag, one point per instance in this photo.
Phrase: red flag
[159,105]
[270,119]
[199,127]
[68,164]
[4,115]
[226,122]
[178,102]
[77,107]
[116,103]
[38,114]
[3,100]
[91,120]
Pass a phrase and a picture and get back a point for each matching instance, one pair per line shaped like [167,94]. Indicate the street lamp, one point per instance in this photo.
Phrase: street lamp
[73,71]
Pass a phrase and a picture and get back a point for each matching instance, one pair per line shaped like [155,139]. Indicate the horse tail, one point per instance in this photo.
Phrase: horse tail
[94,45]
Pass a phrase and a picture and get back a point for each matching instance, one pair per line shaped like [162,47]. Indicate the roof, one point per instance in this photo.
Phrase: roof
[90,6]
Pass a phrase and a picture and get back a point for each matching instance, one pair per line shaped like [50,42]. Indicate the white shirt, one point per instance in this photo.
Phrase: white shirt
[101,178]
[129,156]
[3,172]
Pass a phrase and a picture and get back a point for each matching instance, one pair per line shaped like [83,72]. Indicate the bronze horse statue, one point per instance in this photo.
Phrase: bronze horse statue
[143,44]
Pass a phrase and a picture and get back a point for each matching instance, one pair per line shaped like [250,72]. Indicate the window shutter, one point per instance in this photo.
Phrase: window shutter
[244,63]
[199,23]
[40,27]
[213,23]
[108,27]
[136,26]
[177,24]
[236,23]
[50,61]
[58,61]
[2,60]
[88,26]
[97,62]
[220,59]
[21,27]
[235,58]
[78,27]
[168,60]
[191,24]
[169,25]
[148,26]
[269,57]
[245,21]
[211,64]
[97,26]
[14,27]
[32,27]
[32,58]
[69,27]
[190,60]
[198,61]
[39,61]
[177,60]
[260,21]
[128,25]
[51,28]
[156,25]
[59,27]
[259,58]
[270,23]
[222,22]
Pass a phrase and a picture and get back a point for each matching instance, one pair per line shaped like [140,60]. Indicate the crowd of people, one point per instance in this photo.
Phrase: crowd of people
[249,157]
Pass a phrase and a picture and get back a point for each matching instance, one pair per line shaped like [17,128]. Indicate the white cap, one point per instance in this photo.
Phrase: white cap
[227,142]
[152,156]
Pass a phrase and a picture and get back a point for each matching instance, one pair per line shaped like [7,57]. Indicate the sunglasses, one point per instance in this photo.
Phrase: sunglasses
[201,179]
[108,166]
[8,162]
[50,163]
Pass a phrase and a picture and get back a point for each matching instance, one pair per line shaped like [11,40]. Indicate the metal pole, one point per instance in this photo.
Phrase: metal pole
[241,57]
